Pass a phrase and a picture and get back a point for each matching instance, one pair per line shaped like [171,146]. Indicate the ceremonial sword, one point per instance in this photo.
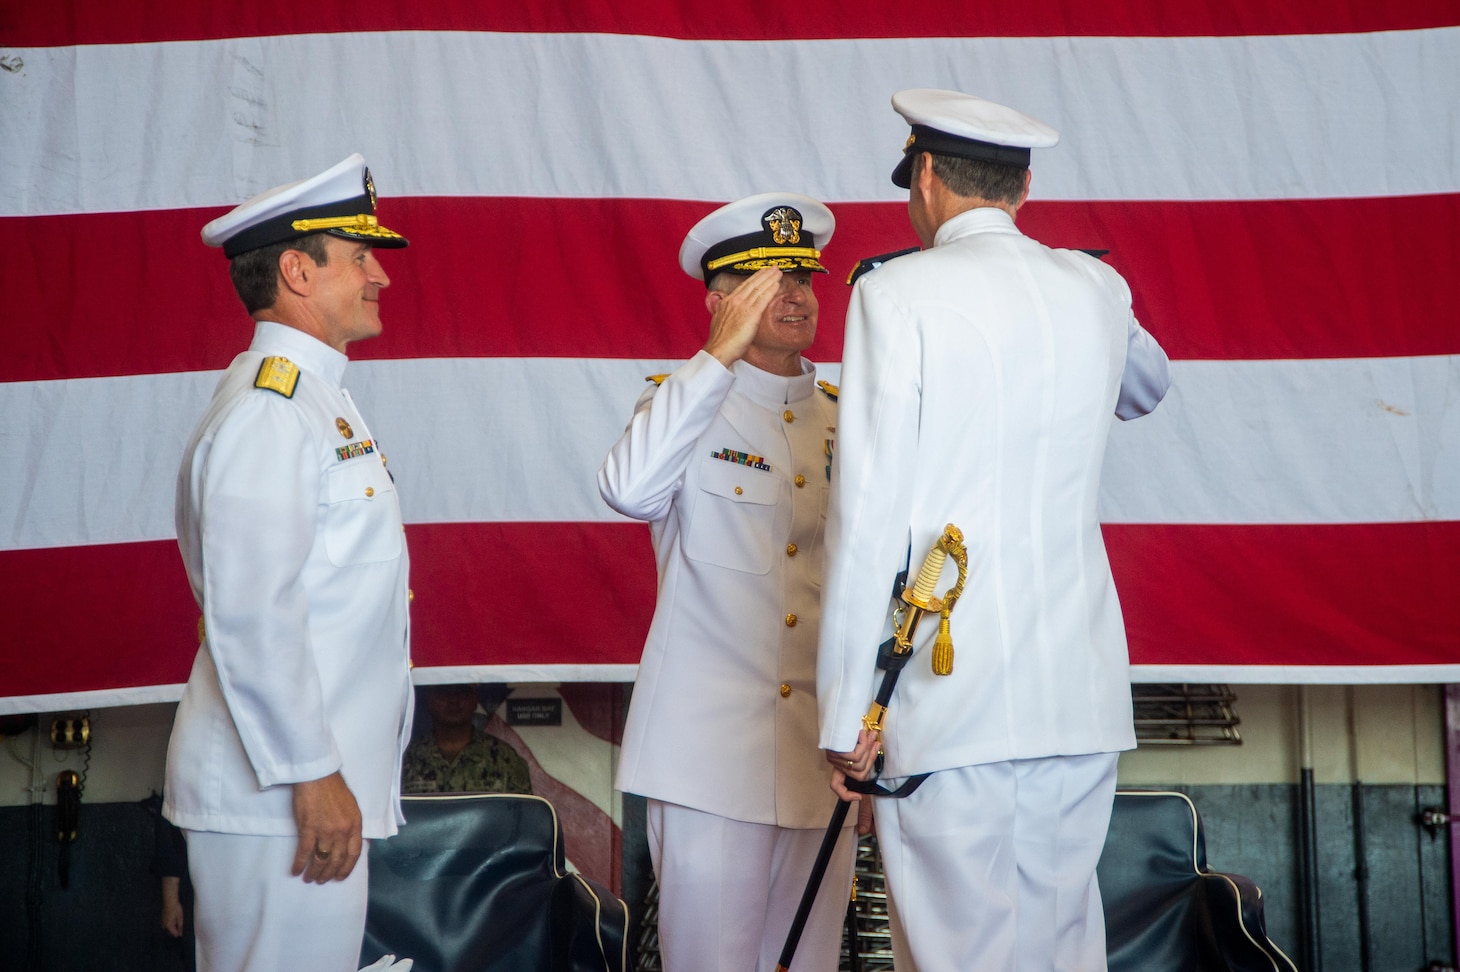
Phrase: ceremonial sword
[892,656]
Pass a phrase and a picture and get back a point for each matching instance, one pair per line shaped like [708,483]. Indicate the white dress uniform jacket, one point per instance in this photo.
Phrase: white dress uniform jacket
[731,469]
[978,386]
[292,537]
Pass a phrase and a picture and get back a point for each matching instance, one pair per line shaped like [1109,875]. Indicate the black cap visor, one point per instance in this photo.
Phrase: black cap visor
[357,214]
[925,139]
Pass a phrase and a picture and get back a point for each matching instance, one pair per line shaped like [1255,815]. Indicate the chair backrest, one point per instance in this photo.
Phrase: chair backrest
[1164,908]
[477,883]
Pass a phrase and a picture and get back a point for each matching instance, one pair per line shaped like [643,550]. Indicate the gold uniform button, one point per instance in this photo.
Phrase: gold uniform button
[791,549]
[785,690]
[790,620]
[410,596]
[788,415]
[738,490]
[369,491]
[800,480]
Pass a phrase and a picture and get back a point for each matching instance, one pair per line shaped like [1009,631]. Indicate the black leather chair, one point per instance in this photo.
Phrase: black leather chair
[1164,908]
[477,883]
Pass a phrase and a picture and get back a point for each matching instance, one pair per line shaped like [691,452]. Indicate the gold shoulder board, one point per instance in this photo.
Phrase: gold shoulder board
[656,379]
[829,388]
[278,375]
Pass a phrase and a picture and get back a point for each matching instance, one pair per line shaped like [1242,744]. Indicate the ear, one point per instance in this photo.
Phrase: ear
[926,176]
[296,271]
[1028,177]
[712,300]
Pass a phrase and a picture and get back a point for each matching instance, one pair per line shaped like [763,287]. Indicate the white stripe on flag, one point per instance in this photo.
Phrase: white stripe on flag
[1320,440]
[607,115]
[553,674]
[500,439]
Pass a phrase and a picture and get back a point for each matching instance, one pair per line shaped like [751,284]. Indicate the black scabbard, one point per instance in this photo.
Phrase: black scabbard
[891,664]
[813,884]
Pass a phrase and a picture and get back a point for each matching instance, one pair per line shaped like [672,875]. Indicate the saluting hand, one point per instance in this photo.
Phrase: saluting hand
[329,829]
[736,315]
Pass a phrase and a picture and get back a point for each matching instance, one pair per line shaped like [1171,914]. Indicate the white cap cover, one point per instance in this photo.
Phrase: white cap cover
[966,126]
[339,201]
[771,229]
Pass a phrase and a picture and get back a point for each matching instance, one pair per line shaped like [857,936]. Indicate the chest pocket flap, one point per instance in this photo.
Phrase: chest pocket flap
[362,523]
[734,517]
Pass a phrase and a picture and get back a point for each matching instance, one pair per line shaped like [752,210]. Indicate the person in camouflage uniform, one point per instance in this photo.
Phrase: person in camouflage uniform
[456,756]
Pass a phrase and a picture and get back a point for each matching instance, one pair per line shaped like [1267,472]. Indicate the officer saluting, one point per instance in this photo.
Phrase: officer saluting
[728,460]
[285,753]
[979,381]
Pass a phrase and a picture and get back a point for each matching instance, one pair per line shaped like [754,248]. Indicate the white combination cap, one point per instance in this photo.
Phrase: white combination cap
[339,201]
[967,127]
[772,229]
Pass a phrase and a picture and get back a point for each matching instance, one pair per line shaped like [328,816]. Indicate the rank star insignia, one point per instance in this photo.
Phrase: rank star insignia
[344,427]
[785,224]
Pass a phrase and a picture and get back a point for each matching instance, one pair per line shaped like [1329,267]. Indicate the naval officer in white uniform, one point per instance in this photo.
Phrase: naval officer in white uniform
[980,377]
[728,460]
[285,753]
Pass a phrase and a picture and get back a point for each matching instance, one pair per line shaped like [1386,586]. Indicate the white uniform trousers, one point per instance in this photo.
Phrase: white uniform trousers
[728,891]
[252,915]
[991,868]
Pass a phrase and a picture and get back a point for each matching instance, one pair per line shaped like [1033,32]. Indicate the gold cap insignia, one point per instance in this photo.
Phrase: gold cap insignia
[344,428]
[370,189]
[909,143]
[785,225]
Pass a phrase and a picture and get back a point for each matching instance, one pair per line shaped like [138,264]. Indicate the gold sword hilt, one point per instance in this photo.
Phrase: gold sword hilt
[952,543]
[920,599]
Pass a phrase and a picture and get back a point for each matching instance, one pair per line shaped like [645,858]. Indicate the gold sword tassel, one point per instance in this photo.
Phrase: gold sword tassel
[919,600]
[949,544]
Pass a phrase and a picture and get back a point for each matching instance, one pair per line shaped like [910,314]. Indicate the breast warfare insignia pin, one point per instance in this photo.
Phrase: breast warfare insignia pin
[344,428]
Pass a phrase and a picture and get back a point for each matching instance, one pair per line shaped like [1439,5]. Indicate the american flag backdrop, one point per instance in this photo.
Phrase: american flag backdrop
[1280,183]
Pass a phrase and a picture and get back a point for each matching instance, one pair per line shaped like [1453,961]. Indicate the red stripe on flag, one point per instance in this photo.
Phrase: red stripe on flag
[83,618]
[136,293]
[102,22]
[122,615]
[530,593]
[87,618]
[1366,594]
